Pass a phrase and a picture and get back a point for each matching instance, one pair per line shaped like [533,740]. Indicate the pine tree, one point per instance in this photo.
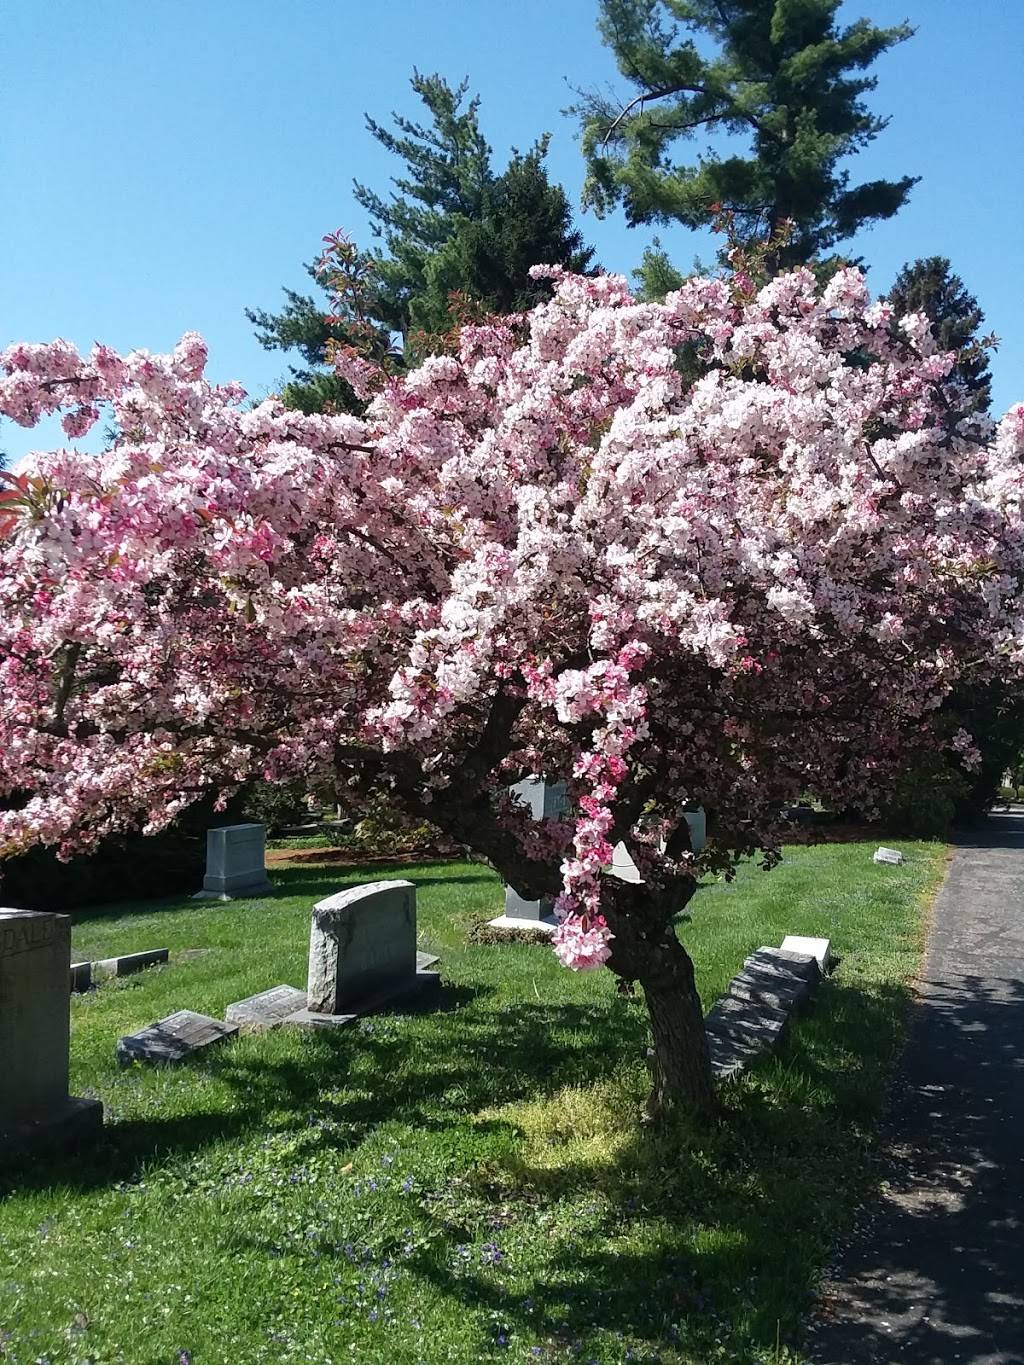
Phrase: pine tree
[783,76]
[929,286]
[453,235]
[523,220]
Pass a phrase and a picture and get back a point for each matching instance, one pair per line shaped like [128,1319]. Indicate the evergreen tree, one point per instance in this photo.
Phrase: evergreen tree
[454,236]
[523,220]
[929,286]
[782,75]
[305,327]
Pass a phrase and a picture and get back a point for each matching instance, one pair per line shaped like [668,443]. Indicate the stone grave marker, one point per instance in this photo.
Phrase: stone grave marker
[81,977]
[751,1017]
[35,1031]
[362,954]
[266,1010]
[625,869]
[128,963]
[889,855]
[173,1039]
[235,863]
[818,948]
[544,800]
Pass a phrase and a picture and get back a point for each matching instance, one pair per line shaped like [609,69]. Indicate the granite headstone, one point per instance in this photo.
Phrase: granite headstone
[35,1030]
[235,863]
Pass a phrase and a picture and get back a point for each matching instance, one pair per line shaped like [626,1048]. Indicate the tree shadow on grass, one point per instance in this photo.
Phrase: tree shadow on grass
[460,1059]
[697,1235]
[734,1223]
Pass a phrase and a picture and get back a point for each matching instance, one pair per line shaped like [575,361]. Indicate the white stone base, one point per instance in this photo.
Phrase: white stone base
[819,948]
[548,925]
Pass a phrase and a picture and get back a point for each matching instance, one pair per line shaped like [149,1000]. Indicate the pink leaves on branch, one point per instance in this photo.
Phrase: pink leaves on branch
[713,551]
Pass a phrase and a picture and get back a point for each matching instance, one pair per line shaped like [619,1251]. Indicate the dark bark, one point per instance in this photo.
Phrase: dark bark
[646,950]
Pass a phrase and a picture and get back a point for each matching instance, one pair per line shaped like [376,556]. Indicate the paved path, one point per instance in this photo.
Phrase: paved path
[937,1274]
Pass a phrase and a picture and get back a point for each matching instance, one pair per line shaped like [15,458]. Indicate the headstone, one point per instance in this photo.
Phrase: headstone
[129,963]
[35,1032]
[751,1017]
[81,976]
[362,954]
[266,1010]
[545,800]
[818,948]
[173,1039]
[623,867]
[698,822]
[889,855]
[235,863]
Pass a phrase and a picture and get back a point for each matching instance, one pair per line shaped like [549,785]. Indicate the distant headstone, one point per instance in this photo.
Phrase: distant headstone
[266,1010]
[81,977]
[173,1039]
[128,963]
[623,867]
[362,953]
[889,855]
[544,800]
[235,863]
[698,822]
[818,948]
[35,1031]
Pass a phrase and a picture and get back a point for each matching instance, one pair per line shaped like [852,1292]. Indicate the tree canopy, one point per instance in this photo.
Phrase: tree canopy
[778,75]
[548,552]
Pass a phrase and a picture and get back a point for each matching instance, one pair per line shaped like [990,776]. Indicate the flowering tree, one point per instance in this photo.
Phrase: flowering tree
[547,553]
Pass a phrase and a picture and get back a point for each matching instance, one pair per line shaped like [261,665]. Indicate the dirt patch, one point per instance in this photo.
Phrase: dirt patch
[332,857]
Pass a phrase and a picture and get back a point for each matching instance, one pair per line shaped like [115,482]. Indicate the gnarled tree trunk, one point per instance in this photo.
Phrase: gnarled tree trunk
[646,950]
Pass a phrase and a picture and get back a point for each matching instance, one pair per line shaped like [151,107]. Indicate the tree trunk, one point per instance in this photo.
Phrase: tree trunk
[680,1062]
[646,950]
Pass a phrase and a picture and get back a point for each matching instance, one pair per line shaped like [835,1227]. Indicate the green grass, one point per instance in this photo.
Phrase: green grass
[464,1185]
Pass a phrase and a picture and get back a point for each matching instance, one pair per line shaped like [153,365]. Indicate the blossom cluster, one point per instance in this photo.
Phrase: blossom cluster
[709,551]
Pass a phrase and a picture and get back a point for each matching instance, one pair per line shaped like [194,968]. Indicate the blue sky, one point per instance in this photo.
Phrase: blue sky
[169,163]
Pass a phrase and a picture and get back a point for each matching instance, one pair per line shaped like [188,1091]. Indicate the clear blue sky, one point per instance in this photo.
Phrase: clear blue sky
[168,163]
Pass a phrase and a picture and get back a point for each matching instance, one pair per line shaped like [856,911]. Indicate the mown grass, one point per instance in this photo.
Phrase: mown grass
[465,1185]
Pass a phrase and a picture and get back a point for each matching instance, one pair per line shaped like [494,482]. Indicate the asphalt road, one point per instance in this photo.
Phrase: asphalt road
[936,1273]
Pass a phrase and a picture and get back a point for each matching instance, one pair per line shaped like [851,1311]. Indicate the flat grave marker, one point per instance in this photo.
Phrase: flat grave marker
[179,1036]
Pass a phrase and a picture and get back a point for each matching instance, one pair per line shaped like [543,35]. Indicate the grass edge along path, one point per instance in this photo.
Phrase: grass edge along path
[464,1185]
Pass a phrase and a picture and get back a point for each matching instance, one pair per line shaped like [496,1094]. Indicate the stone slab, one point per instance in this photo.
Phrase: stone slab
[888,855]
[128,963]
[818,948]
[782,960]
[73,1124]
[425,960]
[779,990]
[269,1009]
[737,1038]
[623,867]
[545,801]
[422,983]
[548,925]
[81,977]
[180,1035]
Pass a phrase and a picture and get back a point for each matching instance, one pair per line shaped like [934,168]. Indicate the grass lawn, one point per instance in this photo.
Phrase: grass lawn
[465,1185]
